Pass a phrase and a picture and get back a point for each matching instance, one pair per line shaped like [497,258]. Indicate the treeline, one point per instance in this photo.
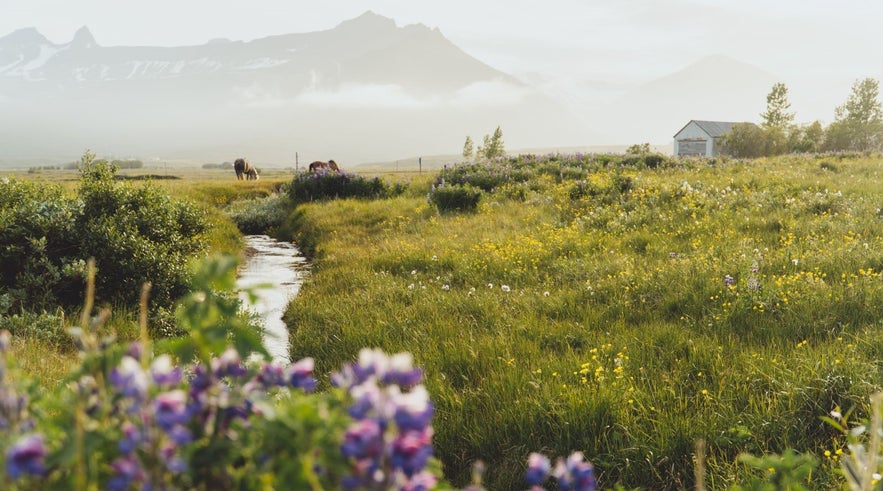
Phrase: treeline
[857,126]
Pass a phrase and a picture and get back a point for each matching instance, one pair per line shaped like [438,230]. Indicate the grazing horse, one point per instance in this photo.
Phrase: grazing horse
[252,174]
[330,165]
[241,166]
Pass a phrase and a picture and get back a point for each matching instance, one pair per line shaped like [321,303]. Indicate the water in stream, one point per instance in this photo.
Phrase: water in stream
[280,265]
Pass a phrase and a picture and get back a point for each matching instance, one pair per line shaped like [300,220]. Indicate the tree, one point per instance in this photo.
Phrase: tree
[859,121]
[492,146]
[746,140]
[467,149]
[638,149]
[807,139]
[776,115]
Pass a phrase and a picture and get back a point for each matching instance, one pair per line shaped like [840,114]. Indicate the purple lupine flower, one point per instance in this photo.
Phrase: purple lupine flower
[538,467]
[172,461]
[129,379]
[271,375]
[180,435]
[134,350]
[729,281]
[300,374]
[171,409]
[400,370]
[131,438]
[412,410]
[422,481]
[127,471]
[575,473]
[26,456]
[229,364]
[366,398]
[410,451]
[164,372]
[363,439]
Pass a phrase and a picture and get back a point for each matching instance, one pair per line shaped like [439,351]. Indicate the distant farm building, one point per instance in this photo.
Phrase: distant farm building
[701,138]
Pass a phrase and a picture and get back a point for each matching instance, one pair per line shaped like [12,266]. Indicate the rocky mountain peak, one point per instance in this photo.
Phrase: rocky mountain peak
[83,38]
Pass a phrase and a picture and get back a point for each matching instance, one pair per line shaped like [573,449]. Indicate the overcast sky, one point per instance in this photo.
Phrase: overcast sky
[811,45]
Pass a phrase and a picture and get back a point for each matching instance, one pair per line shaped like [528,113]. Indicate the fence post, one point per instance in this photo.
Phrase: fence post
[420,161]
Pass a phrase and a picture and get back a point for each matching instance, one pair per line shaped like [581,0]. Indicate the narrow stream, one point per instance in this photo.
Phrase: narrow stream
[280,265]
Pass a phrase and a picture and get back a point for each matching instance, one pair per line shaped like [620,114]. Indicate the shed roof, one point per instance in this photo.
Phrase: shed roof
[714,129]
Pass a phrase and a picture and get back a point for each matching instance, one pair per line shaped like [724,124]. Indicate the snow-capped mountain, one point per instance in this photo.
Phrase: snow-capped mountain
[365,90]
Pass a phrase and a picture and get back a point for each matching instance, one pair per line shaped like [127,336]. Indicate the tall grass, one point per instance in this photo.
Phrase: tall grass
[619,310]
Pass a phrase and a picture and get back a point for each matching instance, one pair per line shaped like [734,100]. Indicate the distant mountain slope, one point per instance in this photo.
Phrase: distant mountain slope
[364,90]
[716,88]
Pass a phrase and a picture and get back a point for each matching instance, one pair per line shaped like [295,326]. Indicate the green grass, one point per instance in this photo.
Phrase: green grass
[617,335]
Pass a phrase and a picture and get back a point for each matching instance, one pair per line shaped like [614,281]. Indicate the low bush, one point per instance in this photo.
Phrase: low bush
[454,197]
[313,186]
[135,234]
[257,216]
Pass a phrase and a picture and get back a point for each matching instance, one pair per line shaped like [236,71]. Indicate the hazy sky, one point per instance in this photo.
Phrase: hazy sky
[817,47]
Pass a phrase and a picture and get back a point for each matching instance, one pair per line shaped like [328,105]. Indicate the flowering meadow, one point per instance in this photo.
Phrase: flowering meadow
[626,311]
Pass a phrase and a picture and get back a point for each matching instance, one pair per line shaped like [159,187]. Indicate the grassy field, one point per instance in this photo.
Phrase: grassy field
[624,312]
[617,310]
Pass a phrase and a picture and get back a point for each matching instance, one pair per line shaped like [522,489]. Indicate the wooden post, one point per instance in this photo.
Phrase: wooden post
[420,167]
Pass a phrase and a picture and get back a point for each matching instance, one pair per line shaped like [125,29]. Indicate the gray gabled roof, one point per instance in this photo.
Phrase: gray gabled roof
[715,129]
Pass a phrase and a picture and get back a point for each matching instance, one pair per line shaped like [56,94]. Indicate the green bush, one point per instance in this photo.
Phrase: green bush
[38,262]
[135,234]
[312,186]
[455,197]
[257,216]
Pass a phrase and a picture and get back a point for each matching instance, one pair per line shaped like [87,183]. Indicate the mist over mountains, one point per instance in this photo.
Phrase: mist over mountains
[366,90]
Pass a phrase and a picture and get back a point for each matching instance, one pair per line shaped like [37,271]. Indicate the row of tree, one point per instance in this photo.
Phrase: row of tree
[857,126]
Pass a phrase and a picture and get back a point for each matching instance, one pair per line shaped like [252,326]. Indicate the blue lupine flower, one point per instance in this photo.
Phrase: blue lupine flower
[412,410]
[411,450]
[164,372]
[126,470]
[399,369]
[129,379]
[538,467]
[229,364]
[271,375]
[171,409]
[422,481]
[300,374]
[26,456]
[575,473]
[366,398]
[131,438]
[363,439]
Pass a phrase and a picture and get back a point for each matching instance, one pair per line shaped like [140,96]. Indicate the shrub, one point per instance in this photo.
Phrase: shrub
[257,216]
[454,197]
[135,234]
[312,186]
[39,266]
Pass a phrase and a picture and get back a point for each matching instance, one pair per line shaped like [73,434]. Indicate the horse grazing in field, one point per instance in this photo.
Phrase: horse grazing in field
[330,165]
[241,166]
[252,174]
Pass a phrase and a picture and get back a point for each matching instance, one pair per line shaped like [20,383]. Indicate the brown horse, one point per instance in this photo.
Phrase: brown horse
[330,165]
[242,167]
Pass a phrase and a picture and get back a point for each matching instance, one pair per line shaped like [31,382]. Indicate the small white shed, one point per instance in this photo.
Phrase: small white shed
[701,138]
